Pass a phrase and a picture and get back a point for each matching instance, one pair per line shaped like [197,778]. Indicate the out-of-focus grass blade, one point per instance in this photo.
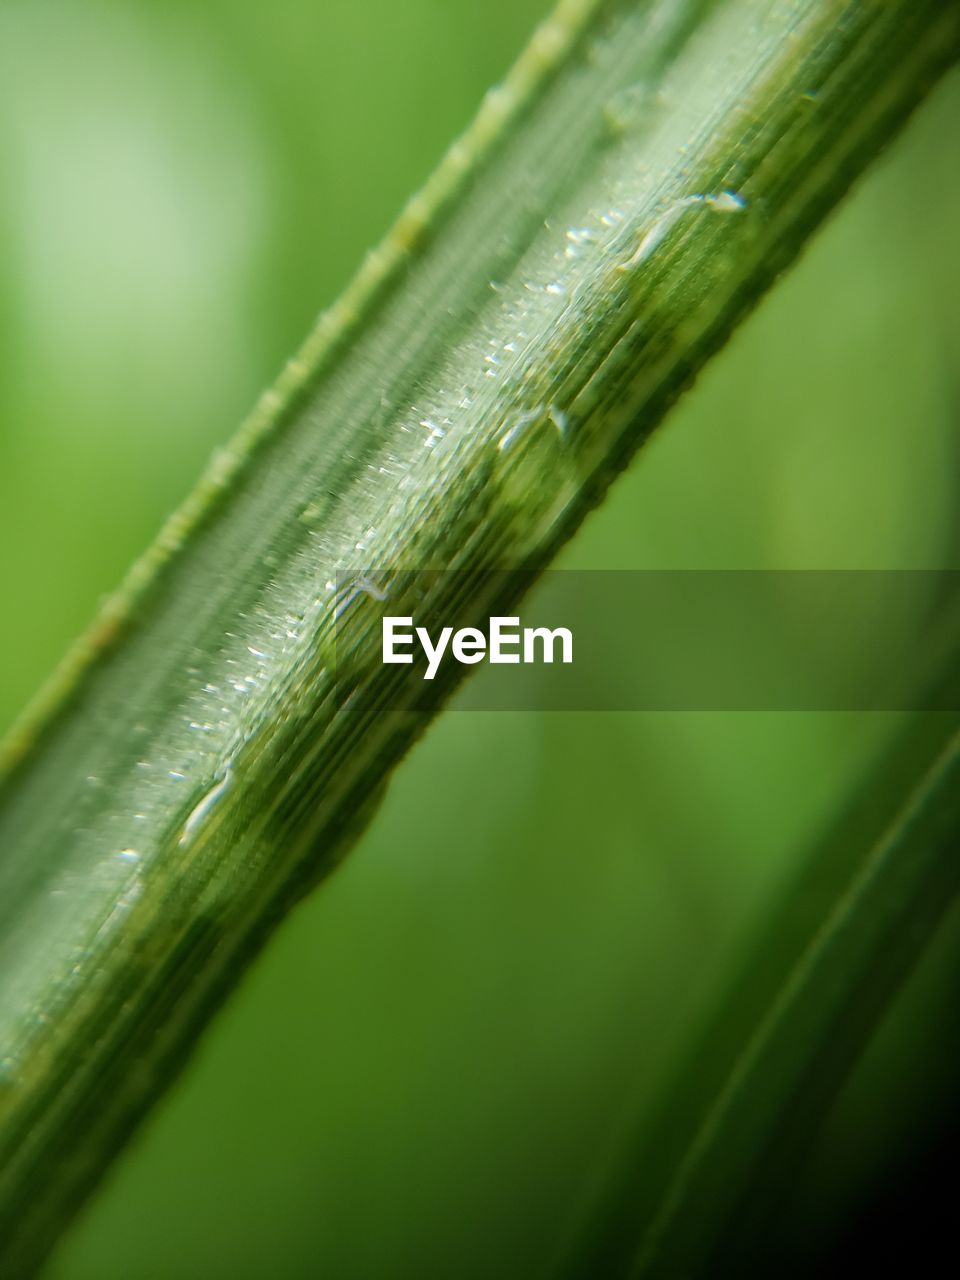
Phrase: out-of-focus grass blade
[697,1189]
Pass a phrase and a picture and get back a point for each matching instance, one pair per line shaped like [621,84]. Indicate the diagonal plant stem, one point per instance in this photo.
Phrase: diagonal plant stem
[620,203]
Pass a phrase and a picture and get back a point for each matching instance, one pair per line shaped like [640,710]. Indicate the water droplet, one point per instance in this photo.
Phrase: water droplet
[559,420]
[312,513]
[726,202]
[658,232]
[200,811]
[717,202]
[630,109]
[351,591]
[520,423]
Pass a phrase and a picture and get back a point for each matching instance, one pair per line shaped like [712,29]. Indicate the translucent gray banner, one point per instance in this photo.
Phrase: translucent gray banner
[780,640]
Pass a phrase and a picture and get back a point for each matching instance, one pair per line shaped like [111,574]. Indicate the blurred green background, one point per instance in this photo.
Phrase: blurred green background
[424,1070]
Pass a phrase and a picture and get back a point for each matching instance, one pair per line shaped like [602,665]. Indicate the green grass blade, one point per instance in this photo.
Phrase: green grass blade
[701,1183]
